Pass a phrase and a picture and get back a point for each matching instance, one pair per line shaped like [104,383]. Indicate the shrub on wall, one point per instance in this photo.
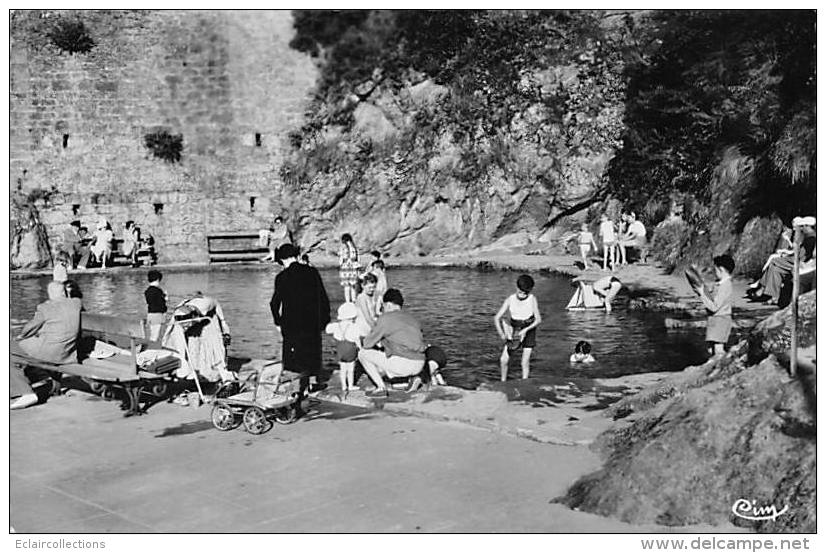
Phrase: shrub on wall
[166,146]
[71,36]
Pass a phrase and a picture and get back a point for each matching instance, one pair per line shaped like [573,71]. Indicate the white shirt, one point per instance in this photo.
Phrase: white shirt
[345,331]
[521,310]
[606,231]
[637,230]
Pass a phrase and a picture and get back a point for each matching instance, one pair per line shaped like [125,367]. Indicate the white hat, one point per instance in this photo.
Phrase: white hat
[804,221]
[347,311]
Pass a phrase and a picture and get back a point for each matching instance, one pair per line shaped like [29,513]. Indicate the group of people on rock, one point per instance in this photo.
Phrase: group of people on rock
[619,242]
[773,285]
[80,250]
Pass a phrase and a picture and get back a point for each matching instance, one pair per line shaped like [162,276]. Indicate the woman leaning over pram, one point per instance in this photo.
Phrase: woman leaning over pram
[207,336]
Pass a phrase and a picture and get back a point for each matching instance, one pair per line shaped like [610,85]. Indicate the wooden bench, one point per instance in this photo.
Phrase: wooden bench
[144,251]
[120,371]
[235,246]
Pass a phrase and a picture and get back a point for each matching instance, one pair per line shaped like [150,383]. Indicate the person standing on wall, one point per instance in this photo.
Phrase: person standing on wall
[301,311]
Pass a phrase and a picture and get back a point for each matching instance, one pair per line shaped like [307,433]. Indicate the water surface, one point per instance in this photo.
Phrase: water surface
[456,308]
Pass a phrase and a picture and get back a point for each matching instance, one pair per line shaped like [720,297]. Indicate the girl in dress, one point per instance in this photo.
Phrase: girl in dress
[348,258]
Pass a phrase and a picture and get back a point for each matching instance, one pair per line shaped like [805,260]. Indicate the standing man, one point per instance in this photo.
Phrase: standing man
[300,310]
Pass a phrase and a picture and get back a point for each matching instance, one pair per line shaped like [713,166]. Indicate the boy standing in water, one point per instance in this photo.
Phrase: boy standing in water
[719,324]
[518,329]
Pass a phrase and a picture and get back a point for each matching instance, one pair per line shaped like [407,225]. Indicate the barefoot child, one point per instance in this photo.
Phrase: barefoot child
[585,240]
[348,341]
[155,304]
[378,269]
[609,241]
[718,328]
[519,328]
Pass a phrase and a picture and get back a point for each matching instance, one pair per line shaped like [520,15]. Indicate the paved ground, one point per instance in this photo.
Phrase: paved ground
[76,465]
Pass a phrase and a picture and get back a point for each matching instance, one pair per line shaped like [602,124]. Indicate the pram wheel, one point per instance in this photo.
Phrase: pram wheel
[286,415]
[159,389]
[224,419]
[255,421]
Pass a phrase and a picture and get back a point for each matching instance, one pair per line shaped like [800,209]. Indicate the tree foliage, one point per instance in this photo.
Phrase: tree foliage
[702,81]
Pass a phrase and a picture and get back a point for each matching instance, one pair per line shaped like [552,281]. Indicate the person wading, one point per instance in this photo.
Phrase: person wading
[300,310]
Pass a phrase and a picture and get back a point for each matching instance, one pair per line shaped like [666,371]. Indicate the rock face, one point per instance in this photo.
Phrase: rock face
[420,161]
[28,242]
[735,429]
[419,198]
[226,81]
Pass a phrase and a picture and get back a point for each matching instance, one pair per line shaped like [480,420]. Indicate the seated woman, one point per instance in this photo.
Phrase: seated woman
[778,270]
[102,242]
[50,336]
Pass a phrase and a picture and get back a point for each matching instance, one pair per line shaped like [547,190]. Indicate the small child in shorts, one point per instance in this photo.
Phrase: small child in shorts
[516,324]
[585,239]
[719,324]
[582,353]
[608,235]
[348,341]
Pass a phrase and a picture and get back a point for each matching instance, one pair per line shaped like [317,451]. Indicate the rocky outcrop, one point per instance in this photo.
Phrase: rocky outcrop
[413,164]
[28,240]
[700,442]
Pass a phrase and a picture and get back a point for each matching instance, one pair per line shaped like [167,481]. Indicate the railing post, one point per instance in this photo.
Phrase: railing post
[795,294]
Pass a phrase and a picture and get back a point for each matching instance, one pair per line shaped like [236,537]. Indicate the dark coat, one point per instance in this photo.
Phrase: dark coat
[300,306]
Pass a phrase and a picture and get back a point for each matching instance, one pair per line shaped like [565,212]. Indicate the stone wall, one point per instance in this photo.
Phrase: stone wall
[225,80]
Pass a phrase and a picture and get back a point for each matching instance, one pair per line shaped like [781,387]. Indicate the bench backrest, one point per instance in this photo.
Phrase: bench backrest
[113,325]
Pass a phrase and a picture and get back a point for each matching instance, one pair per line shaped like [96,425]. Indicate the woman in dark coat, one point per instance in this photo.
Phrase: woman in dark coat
[300,310]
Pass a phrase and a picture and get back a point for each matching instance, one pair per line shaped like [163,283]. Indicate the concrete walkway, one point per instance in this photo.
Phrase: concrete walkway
[76,465]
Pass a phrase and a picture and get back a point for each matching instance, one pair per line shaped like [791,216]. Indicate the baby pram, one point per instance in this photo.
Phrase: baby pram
[256,400]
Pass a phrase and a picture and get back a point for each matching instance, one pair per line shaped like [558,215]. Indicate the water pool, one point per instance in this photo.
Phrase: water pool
[456,308]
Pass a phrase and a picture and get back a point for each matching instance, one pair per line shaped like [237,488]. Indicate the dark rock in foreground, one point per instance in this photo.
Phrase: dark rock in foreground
[734,429]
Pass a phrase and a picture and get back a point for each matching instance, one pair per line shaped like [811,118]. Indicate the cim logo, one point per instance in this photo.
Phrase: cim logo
[749,510]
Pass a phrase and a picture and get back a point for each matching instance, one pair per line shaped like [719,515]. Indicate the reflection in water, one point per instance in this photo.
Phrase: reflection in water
[456,308]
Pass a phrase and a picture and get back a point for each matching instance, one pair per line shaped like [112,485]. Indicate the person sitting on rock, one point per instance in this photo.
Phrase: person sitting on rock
[51,336]
[778,270]
[633,239]
[103,242]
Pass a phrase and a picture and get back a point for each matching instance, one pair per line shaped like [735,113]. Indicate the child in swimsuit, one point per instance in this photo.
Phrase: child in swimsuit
[516,324]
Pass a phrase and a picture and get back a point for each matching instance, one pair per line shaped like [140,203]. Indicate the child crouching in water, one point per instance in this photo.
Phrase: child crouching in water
[518,329]
[348,341]
[582,353]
